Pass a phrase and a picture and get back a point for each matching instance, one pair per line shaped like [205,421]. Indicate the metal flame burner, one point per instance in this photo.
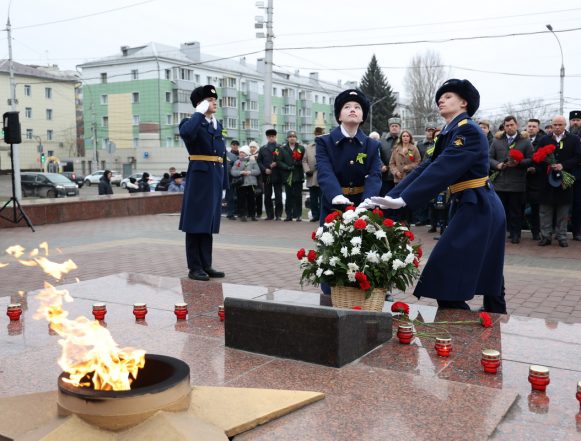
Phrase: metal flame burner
[162,384]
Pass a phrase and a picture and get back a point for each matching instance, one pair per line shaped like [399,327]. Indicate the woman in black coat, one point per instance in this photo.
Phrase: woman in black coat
[105,183]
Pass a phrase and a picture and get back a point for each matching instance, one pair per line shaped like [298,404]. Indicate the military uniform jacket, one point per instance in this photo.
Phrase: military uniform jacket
[567,153]
[205,180]
[347,162]
[469,257]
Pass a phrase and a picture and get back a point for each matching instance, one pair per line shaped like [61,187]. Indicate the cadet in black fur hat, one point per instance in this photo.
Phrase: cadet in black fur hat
[351,95]
[201,93]
[465,89]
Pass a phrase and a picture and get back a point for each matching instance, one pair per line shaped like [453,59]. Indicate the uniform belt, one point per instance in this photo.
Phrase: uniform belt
[472,183]
[353,190]
[206,158]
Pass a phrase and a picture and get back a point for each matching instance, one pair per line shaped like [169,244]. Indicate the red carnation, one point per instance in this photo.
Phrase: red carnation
[357,308]
[362,279]
[516,155]
[332,216]
[543,152]
[297,155]
[419,252]
[402,307]
[312,256]
[360,224]
[388,222]
[314,235]
[378,212]
[416,262]
[485,320]
[409,235]
[359,276]
[350,208]
[301,253]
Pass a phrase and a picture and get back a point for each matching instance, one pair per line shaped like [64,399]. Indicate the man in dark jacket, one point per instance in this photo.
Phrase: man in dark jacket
[272,180]
[143,183]
[105,183]
[291,161]
[231,196]
[511,181]
[534,180]
[555,200]
[206,179]
[387,142]
[575,129]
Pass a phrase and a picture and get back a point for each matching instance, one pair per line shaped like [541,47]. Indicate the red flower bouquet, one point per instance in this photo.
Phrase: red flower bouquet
[516,155]
[297,155]
[547,154]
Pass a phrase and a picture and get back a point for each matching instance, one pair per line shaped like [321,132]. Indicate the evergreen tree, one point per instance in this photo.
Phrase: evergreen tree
[375,86]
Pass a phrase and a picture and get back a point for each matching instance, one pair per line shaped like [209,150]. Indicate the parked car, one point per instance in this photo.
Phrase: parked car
[75,177]
[95,177]
[153,180]
[47,185]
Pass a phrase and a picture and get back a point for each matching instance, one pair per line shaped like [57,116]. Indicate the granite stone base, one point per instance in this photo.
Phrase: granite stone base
[321,335]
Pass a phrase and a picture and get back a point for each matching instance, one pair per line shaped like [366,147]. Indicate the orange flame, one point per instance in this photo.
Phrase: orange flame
[89,354]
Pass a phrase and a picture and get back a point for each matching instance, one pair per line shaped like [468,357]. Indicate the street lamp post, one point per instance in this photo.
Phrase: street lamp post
[562,72]
[371,111]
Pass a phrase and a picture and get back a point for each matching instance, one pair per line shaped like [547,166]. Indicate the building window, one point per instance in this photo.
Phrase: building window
[27,90]
[168,74]
[49,135]
[254,124]
[48,92]
[104,77]
[231,82]
[168,97]
[105,144]
[231,123]
[169,119]
[197,78]
[28,112]
[229,101]
[185,74]
[253,105]
[49,114]
[316,98]
[274,91]
[105,121]
[29,134]
[134,74]
[324,100]
[103,99]
[135,120]
[135,97]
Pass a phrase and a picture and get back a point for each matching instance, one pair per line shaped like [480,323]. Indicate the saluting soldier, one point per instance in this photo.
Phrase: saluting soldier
[469,257]
[206,178]
[348,163]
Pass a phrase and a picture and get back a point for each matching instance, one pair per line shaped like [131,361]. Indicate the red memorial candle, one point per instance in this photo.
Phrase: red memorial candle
[490,360]
[443,346]
[539,377]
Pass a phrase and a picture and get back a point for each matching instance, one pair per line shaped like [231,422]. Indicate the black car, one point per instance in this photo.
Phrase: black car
[75,177]
[47,185]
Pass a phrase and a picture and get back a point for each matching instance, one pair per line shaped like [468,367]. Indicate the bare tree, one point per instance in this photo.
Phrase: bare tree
[523,111]
[424,75]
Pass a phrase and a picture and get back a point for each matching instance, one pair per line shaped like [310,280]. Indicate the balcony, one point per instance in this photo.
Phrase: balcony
[289,100]
[251,114]
[229,91]
[305,104]
[229,112]
[252,133]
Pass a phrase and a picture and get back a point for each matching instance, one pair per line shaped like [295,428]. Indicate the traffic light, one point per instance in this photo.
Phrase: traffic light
[42,158]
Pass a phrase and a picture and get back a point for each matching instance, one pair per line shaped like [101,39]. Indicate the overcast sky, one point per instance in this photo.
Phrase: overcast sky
[68,33]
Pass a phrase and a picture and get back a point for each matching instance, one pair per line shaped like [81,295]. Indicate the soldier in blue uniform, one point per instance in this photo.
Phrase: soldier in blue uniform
[469,256]
[206,178]
[348,162]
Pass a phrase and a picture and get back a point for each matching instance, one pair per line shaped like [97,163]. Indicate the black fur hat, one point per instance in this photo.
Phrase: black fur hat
[351,95]
[575,114]
[203,92]
[465,89]
[270,132]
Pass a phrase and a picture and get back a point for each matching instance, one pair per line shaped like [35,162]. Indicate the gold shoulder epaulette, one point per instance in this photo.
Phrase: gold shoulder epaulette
[461,123]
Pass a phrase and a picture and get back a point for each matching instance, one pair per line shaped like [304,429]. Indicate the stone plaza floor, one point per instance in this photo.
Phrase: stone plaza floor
[403,392]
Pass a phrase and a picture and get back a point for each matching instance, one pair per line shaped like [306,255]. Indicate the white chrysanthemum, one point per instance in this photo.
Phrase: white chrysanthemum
[409,258]
[402,228]
[329,273]
[348,216]
[319,231]
[397,264]
[370,228]
[334,260]
[319,272]
[386,256]
[355,251]
[353,266]
[409,248]
[327,238]
[356,241]
[319,260]
[372,256]
[380,234]
[351,276]
[345,251]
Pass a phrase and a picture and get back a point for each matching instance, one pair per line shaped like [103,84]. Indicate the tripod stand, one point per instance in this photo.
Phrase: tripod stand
[17,212]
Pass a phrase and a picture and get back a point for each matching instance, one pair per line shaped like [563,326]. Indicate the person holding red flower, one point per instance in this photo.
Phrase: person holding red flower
[556,198]
[290,163]
[510,156]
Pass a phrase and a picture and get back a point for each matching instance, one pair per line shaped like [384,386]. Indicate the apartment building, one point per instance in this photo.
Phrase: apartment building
[47,102]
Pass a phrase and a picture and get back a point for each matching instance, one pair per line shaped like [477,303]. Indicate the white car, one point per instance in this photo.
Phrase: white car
[153,180]
[95,177]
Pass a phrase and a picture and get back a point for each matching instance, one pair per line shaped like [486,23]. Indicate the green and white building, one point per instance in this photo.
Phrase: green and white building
[134,101]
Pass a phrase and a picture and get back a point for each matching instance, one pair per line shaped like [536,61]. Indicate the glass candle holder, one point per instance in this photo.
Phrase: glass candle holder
[490,360]
[405,333]
[139,310]
[181,310]
[221,312]
[539,377]
[14,311]
[443,346]
[99,311]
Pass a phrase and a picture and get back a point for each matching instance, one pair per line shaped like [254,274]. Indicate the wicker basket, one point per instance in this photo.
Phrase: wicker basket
[348,296]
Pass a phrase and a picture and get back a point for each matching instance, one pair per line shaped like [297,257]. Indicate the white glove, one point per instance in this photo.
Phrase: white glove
[388,202]
[203,106]
[367,204]
[341,200]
